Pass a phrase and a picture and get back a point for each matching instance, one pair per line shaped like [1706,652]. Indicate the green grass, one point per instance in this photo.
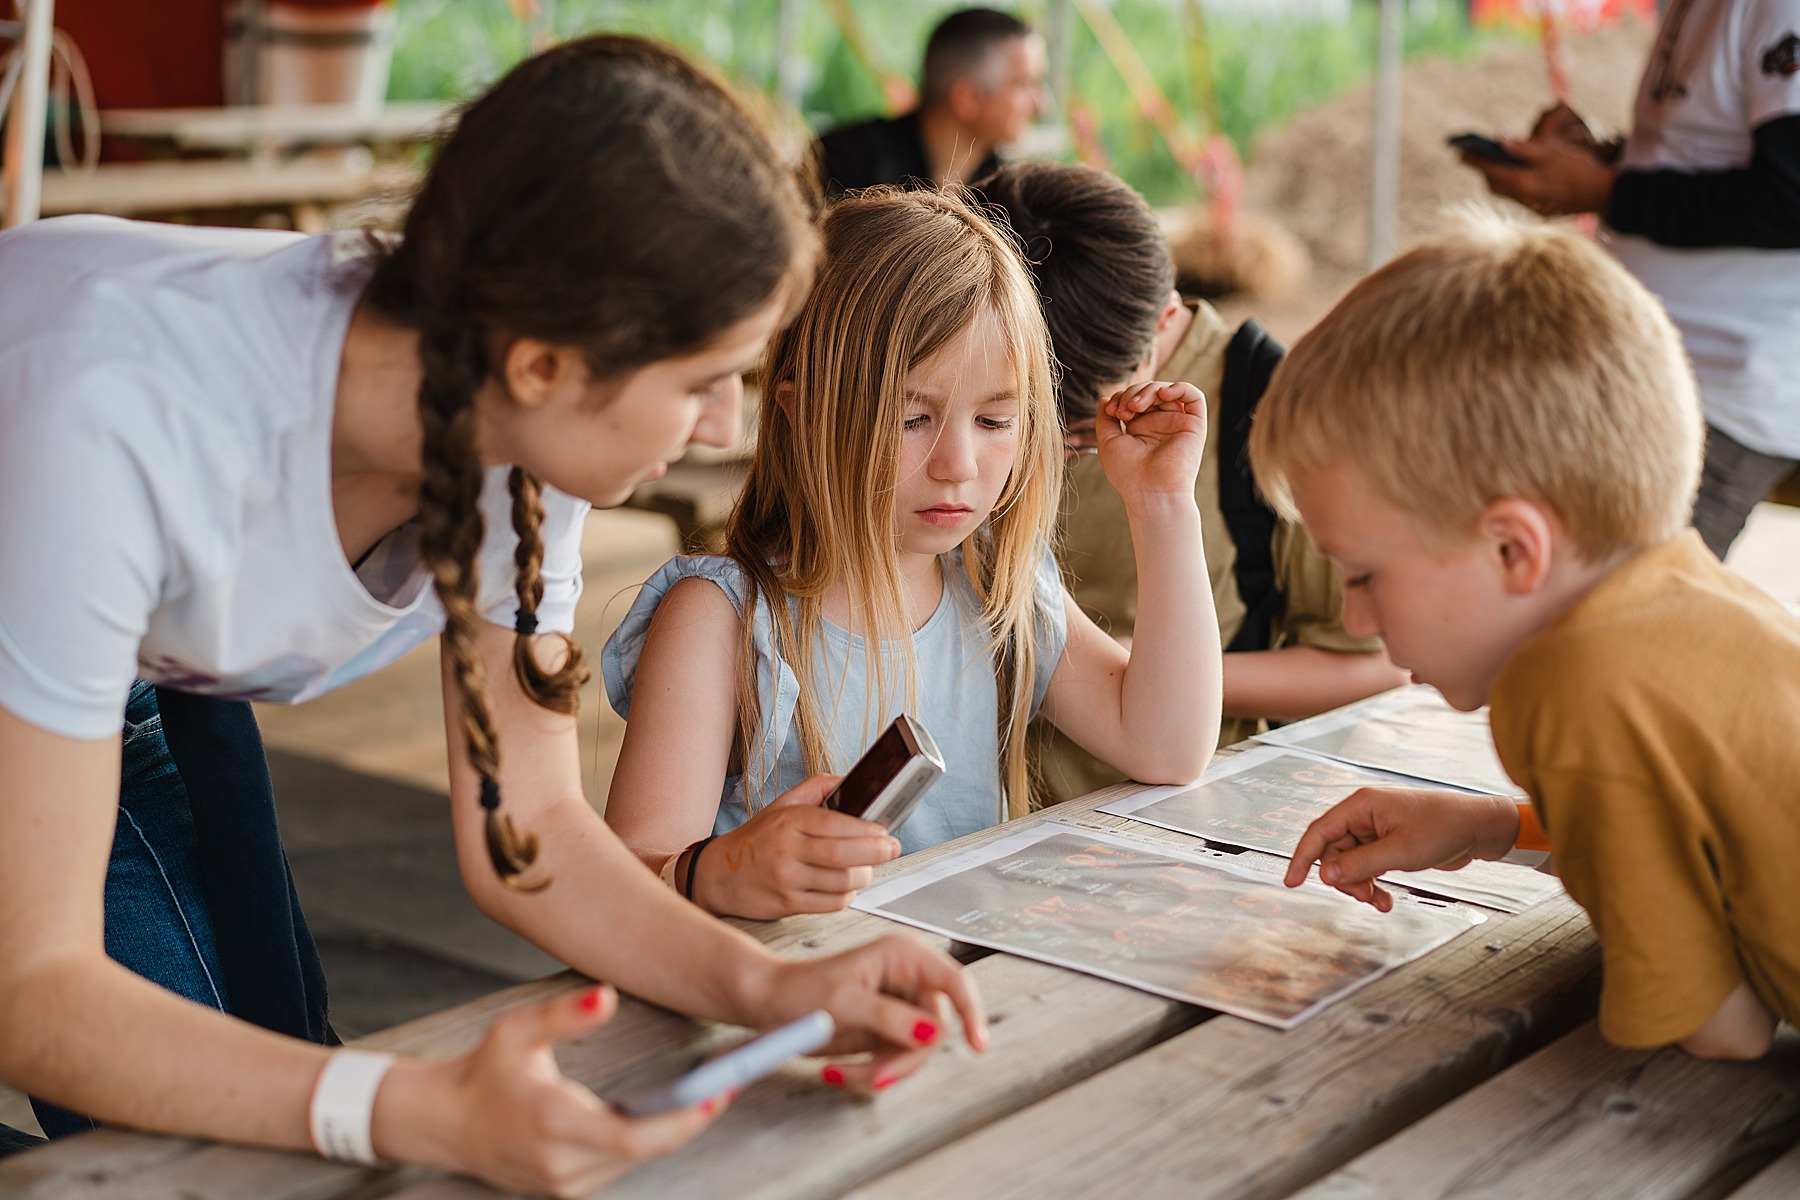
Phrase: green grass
[1265,70]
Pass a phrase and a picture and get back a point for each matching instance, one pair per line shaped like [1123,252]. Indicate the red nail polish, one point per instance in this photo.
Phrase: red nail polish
[591,1001]
[707,1106]
[886,1081]
[925,1033]
[833,1076]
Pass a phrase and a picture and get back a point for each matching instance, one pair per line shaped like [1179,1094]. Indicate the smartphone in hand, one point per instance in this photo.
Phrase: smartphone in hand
[735,1068]
[890,779]
[1476,146]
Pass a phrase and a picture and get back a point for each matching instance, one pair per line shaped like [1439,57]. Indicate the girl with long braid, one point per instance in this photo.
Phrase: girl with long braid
[243,465]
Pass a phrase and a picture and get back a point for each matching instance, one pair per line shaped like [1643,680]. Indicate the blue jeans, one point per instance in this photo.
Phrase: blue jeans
[158,924]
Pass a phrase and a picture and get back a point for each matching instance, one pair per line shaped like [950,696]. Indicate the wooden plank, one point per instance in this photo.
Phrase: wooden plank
[126,189]
[1780,1180]
[239,127]
[1585,1119]
[1236,1109]
[116,1165]
[790,1137]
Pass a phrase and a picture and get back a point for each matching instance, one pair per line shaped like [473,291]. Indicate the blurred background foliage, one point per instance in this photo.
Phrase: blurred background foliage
[1269,60]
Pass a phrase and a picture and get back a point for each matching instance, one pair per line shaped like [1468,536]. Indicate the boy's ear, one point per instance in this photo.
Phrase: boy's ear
[1523,538]
[1171,309]
[533,370]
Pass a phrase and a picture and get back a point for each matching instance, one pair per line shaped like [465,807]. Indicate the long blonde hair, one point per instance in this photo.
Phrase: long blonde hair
[903,274]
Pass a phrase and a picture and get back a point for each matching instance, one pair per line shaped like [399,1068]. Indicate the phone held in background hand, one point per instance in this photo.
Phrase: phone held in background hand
[1476,146]
[736,1068]
[890,779]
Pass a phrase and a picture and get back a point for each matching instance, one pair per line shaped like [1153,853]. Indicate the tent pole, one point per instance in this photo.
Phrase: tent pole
[25,124]
[1061,53]
[1384,190]
[790,83]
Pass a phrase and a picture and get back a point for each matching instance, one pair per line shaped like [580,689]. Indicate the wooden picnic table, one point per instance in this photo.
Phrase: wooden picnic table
[1475,1071]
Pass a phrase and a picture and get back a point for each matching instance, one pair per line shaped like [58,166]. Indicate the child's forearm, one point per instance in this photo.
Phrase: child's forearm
[1301,681]
[1174,648]
[669,952]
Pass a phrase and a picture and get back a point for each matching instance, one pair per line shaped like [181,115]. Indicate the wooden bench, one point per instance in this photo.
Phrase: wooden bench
[1474,1071]
[254,128]
[304,187]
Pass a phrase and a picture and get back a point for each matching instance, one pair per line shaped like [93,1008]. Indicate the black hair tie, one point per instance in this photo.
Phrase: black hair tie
[687,888]
[490,794]
[525,622]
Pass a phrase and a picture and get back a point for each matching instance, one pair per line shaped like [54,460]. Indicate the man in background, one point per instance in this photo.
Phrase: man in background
[982,83]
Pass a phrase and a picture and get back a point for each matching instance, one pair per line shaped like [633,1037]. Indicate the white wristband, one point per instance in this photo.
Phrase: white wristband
[343,1105]
[667,874]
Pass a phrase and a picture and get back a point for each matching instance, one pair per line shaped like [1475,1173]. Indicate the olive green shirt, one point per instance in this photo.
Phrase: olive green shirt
[1100,566]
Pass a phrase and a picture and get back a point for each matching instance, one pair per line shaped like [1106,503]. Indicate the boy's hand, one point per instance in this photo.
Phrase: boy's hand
[1150,439]
[794,856]
[1377,830]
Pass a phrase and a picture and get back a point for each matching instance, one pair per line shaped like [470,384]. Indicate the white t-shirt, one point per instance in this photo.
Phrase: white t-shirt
[166,398]
[1717,71]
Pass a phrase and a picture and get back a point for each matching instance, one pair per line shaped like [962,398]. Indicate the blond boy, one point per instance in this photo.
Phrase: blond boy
[1498,439]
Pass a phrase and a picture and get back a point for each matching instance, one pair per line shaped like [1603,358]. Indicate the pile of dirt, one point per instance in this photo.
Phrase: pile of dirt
[1313,174]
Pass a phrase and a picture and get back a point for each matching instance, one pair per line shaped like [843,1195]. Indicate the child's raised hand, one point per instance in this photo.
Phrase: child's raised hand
[1150,437]
[793,856]
[1377,830]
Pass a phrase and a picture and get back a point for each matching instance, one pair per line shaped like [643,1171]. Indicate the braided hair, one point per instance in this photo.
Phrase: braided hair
[605,195]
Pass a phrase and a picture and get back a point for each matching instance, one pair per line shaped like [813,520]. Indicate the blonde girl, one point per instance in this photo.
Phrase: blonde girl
[891,552]
[246,464]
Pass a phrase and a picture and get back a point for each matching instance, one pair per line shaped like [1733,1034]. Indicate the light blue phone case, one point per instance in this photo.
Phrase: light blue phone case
[735,1068]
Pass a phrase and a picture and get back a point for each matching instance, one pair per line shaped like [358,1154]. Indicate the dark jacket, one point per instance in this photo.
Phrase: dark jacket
[885,150]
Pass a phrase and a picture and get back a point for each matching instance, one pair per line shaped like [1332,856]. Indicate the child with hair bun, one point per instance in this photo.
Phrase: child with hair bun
[891,552]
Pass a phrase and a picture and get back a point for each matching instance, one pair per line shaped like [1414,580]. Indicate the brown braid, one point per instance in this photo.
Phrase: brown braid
[558,690]
[450,533]
[579,203]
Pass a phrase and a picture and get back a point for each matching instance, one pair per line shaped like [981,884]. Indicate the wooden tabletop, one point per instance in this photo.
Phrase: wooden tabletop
[1475,1071]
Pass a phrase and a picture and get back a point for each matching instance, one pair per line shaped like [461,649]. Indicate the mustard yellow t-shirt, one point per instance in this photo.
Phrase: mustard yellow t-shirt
[1656,727]
[1100,567]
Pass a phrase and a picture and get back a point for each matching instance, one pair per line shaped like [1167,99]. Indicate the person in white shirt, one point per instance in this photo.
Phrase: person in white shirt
[1702,203]
[241,464]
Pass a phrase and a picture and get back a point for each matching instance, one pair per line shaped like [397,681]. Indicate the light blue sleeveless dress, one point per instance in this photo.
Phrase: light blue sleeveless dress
[956,695]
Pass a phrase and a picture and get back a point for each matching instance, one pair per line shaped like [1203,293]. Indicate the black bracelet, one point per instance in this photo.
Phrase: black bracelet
[687,888]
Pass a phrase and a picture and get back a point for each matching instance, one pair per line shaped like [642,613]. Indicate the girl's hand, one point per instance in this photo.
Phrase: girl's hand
[506,1114]
[1379,829]
[793,856]
[1150,437]
[890,997]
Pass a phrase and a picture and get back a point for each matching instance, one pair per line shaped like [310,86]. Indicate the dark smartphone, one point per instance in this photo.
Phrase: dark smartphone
[1477,146]
[890,779]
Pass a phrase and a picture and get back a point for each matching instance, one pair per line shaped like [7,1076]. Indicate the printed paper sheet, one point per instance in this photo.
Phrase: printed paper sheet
[1176,924]
[1264,798]
[1409,731]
